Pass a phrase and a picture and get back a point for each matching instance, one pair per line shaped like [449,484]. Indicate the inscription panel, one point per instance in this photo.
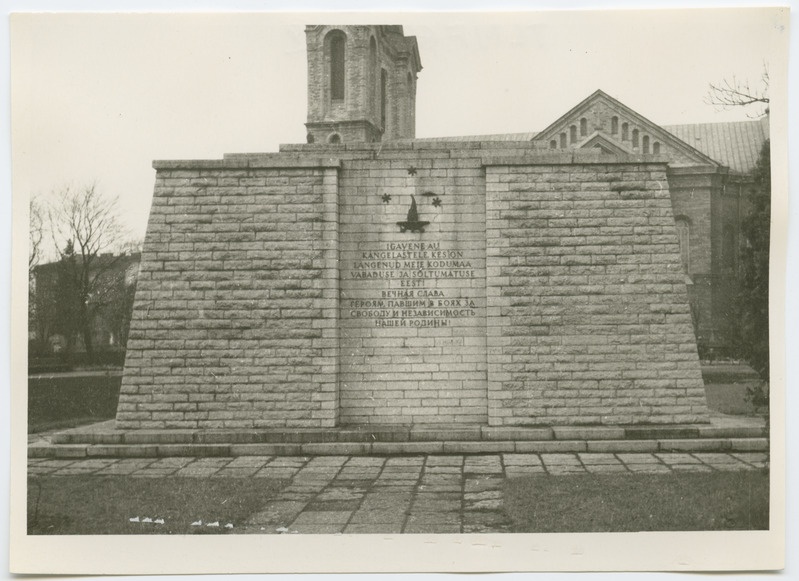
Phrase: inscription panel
[412,267]
[408,293]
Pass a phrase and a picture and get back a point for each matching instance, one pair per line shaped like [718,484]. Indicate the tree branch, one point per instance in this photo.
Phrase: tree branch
[734,93]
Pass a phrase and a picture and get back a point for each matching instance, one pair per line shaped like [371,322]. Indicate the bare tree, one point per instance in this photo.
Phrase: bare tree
[86,231]
[35,233]
[35,237]
[731,93]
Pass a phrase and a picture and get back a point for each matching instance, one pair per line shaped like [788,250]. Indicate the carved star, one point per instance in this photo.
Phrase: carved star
[437,202]
[386,198]
[411,171]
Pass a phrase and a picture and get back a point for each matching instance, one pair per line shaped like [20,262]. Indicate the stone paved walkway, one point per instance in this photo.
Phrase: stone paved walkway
[405,494]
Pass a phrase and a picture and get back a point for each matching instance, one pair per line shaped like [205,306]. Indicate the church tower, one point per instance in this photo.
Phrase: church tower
[361,83]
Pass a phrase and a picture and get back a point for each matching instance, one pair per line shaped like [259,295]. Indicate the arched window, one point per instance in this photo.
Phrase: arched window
[656,147]
[409,111]
[573,134]
[645,144]
[625,131]
[635,138]
[553,144]
[583,127]
[338,44]
[614,125]
[309,138]
[563,141]
[684,238]
[334,138]
[383,89]
[372,75]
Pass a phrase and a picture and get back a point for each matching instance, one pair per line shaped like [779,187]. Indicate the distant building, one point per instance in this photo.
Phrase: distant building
[52,324]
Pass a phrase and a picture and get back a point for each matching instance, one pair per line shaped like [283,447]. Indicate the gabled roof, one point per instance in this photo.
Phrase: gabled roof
[736,144]
[733,144]
[598,139]
[652,128]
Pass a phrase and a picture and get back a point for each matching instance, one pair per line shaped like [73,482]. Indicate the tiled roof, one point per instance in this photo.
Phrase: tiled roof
[734,144]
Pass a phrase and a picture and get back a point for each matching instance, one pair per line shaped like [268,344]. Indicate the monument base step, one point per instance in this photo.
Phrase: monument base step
[722,434]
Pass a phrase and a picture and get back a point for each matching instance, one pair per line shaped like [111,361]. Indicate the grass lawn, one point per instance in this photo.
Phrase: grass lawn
[91,505]
[67,400]
[638,502]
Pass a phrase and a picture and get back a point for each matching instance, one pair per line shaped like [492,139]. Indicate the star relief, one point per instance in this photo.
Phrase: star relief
[411,171]
[437,202]
[386,198]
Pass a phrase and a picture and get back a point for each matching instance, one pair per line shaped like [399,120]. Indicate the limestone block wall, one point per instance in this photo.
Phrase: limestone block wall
[235,317]
[587,313]
[413,301]
[411,283]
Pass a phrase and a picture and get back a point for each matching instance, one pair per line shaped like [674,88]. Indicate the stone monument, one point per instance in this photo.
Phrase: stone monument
[368,278]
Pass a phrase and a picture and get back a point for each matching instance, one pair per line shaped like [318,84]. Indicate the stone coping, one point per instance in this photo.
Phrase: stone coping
[724,433]
[407,145]
[573,157]
[512,153]
[250,161]
[47,450]
[524,147]
[105,434]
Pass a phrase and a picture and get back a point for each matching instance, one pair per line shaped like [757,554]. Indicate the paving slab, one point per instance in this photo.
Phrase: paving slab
[123,467]
[275,473]
[594,459]
[648,468]
[675,458]
[392,516]
[521,471]
[322,517]
[333,505]
[521,460]
[565,469]
[450,461]
[259,461]
[690,468]
[636,458]
[605,468]
[228,472]
[560,459]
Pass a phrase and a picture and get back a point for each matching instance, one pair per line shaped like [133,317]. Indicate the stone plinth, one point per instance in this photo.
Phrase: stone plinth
[288,291]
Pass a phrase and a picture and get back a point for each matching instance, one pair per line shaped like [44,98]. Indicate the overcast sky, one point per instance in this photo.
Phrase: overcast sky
[97,97]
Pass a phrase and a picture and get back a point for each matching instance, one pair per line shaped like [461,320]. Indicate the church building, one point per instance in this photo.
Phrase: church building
[572,276]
